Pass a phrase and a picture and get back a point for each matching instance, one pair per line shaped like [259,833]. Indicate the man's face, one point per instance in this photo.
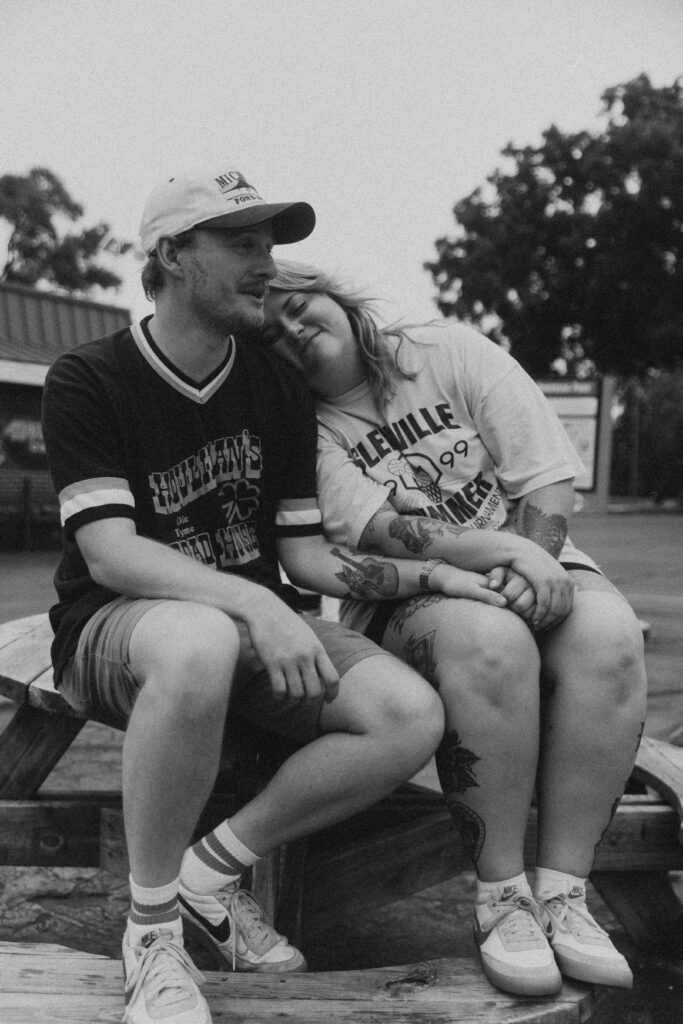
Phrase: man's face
[226,275]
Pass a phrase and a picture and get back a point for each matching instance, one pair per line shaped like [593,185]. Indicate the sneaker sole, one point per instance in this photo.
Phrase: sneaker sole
[196,931]
[594,974]
[543,985]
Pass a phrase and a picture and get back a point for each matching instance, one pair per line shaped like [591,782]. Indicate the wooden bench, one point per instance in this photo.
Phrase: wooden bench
[44,983]
[401,846]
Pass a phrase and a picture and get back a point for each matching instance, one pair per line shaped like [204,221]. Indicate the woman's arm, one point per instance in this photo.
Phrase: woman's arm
[418,537]
[339,571]
[541,516]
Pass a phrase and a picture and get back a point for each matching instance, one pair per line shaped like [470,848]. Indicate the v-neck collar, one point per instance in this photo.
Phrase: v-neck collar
[162,365]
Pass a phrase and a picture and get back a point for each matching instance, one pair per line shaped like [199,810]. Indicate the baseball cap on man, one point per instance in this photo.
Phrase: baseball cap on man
[223,200]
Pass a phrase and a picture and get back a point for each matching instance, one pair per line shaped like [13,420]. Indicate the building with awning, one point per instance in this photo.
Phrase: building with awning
[35,327]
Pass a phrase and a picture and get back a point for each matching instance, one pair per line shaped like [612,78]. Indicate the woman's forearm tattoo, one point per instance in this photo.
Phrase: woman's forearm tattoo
[417,534]
[369,577]
[547,529]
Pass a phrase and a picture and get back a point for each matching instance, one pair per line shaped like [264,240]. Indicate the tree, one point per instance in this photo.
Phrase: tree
[38,251]
[572,254]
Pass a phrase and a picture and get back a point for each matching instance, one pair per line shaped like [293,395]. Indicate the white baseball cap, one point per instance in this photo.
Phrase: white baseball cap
[219,200]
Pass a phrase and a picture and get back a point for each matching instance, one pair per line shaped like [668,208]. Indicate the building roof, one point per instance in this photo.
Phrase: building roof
[36,326]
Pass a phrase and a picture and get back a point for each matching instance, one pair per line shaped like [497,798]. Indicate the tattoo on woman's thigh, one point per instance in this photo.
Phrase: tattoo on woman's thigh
[419,654]
[410,607]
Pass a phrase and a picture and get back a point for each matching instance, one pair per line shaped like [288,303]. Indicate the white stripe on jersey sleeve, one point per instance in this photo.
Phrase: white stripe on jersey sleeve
[298,512]
[94,493]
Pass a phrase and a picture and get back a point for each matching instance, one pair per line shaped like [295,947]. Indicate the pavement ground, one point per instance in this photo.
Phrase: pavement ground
[86,908]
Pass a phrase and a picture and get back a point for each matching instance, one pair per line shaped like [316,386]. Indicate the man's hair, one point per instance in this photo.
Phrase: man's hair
[379,346]
[152,275]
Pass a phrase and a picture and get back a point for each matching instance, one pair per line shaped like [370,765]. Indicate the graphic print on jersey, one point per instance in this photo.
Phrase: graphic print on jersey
[230,466]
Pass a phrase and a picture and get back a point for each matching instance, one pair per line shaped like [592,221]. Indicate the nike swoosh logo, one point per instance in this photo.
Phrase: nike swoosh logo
[219,932]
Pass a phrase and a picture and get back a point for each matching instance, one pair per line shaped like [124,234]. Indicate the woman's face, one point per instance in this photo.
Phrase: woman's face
[313,333]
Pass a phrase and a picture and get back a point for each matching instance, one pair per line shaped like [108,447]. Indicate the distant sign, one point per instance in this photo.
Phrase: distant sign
[577,404]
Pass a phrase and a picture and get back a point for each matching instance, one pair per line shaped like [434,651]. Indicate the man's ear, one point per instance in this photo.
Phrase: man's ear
[167,254]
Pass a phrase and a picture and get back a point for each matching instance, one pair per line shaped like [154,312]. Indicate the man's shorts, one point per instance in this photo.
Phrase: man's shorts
[99,683]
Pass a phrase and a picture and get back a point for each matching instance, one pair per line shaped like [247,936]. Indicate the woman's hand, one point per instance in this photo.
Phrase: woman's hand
[446,579]
[519,594]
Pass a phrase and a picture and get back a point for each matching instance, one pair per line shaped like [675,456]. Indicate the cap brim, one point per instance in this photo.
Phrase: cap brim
[291,222]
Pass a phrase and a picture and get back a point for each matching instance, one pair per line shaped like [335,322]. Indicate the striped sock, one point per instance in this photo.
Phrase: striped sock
[153,908]
[218,860]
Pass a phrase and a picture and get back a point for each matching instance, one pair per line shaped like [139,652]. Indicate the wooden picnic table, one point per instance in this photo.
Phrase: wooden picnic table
[403,845]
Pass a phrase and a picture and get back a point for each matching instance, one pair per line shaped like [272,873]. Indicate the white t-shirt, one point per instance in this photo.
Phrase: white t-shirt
[463,442]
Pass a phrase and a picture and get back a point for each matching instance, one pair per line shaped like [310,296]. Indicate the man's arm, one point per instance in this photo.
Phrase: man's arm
[118,558]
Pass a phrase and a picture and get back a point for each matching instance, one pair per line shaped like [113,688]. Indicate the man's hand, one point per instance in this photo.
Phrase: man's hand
[446,579]
[296,661]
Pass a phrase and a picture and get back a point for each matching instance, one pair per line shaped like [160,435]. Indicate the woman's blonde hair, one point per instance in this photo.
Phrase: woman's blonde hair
[379,346]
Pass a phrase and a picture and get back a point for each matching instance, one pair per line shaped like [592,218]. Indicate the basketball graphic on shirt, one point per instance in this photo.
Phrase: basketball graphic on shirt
[417,473]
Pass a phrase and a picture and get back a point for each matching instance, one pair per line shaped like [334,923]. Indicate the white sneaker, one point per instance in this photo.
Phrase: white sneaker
[161,982]
[582,948]
[233,924]
[512,935]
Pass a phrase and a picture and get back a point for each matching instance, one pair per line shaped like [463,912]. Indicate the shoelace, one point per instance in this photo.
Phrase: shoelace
[247,916]
[519,925]
[163,969]
[574,917]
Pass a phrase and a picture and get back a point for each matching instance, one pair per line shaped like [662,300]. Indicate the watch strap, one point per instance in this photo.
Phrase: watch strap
[426,571]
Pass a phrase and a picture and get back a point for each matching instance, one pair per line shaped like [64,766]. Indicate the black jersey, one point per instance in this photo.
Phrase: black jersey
[216,470]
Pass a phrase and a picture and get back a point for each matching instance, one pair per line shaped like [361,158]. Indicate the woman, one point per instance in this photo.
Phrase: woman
[433,441]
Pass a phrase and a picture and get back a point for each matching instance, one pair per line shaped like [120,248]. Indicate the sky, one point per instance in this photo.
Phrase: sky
[380,113]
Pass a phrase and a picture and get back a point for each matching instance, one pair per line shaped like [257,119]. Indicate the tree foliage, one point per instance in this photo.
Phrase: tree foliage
[38,250]
[573,251]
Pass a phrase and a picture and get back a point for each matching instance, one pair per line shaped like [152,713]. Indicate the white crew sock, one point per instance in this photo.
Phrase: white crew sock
[487,891]
[549,883]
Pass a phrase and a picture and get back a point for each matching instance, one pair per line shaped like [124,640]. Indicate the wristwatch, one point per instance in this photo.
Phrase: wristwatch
[426,572]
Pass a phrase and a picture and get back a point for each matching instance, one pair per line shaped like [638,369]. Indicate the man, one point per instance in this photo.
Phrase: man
[184,458]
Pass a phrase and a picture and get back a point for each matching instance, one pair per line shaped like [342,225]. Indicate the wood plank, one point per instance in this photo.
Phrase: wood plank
[10,631]
[447,991]
[44,949]
[373,872]
[26,657]
[23,1009]
[660,765]
[30,747]
[42,694]
[647,906]
[50,834]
